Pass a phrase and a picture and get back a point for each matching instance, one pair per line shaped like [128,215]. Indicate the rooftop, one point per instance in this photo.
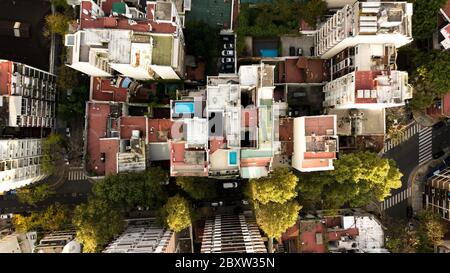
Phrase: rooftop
[162,50]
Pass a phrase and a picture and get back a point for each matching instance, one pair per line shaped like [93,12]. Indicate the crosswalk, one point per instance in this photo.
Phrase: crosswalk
[412,129]
[425,145]
[396,198]
[76,174]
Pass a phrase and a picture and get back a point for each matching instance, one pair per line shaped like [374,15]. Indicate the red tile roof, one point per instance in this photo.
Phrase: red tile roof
[365,80]
[5,78]
[159,125]
[103,91]
[97,114]
[318,125]
[128,124]
[110,146]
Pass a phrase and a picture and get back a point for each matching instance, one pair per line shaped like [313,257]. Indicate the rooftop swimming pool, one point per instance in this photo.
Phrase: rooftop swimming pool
[184,107]
[232,158]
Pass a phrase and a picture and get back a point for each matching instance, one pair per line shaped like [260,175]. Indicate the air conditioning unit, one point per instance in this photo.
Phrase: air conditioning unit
[69,40]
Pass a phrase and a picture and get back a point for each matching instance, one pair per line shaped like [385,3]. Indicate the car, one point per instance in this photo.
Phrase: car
[230,185]
[217,204]
[102,157]
[438,154]
[15,28]
[227,53]
[228,46]
[6,216]
[245,202]
[68,132]
[299,52]
[226,38]
[447,161]
[226,66]
[311,51]
[291,51]
[227,60]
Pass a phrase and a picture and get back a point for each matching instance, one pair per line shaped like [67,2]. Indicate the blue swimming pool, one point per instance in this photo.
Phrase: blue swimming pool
[184,107]
[232,158]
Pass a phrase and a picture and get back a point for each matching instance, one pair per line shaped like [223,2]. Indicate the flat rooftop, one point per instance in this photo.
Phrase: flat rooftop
[162,50]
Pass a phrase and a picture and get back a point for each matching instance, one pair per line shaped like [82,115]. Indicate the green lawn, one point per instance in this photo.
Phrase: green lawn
[162,50]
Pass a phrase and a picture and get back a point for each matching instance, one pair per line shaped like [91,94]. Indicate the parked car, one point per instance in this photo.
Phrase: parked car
[438,154]
[230,185]
[291,51]
[6,216]
[311,51]
[245,202]
[228,46]
[226,66]
[68,132]
[227,53]
[217,204]
[226,38]
[15,28]
[299,52]
[227,60]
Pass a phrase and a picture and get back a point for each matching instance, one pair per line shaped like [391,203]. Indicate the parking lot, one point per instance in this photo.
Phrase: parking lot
[227,53]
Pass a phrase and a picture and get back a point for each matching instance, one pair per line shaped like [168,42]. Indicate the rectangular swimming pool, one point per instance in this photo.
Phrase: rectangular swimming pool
[184,107]
[232,158]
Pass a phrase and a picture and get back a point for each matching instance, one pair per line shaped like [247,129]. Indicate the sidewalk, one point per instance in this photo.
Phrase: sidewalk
[424,119]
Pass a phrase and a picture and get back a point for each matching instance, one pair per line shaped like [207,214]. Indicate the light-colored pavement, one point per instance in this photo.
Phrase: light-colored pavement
[410,131]
[76,174]
[425,145]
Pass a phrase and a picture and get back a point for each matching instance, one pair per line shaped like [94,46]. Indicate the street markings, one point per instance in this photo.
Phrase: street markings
[412,129]
[76,174]
[425,145]
[395,199]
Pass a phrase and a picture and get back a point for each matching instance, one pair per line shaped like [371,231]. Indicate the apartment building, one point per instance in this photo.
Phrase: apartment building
[437,194]
[59,242]
[373,22]
[226,130]
[27,96]
[144,236]
[115,38]
[315,143]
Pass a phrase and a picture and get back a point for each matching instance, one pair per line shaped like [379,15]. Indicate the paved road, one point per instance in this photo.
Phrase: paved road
[406,155]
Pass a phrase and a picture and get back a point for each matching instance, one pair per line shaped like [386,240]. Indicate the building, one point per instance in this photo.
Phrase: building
[365,77]
[18,242]
[20,161]
[444,23]
[144,236]
[58,242]
[443,247]
[232,234]
[115,38]
[27,96]
[437,193]
[315,143]
[440,107]
[227,130]
[373,22]
[356,233]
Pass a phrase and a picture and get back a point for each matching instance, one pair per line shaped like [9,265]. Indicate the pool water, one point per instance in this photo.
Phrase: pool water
[232,158]
[184,107]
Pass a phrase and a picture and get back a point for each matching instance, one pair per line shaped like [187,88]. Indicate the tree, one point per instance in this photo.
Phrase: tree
[201,42]
[198,188]
[400,238]
[279,186]
[130,190]
[55,217]
[313,10]
[52,148]
[56,23]
[31,195]
[26,223]
[67,78]
[97,223]
[425,17]
[177,213]
[431,231]
[275,218]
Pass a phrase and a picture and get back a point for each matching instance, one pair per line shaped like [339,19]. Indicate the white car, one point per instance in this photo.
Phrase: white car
[227,60]
[227,53]
[68,132]
[230,185]
[6,216]
[228,46]
[217,204]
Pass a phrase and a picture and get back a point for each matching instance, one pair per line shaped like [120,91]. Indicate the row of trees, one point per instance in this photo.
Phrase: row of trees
[401,238]
[52,150]
[55,217]
[273,202]
[33,195]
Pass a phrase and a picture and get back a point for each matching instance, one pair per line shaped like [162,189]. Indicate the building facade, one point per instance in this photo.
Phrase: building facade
[437,194]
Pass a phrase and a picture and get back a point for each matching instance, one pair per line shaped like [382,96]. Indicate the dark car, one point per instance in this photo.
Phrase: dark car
[291,51]
[226,67]
[311,49]
[438,154]
[409,212]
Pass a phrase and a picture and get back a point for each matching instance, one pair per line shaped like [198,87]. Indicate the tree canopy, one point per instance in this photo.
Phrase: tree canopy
[425,17]
[130,190]
[358,179]
[177,213]
[56,23]
[313,10]
[34,194]
[55,217]
[279,186]
[97,223]
[199,188]
[430,232]
[275,218]
[52,149]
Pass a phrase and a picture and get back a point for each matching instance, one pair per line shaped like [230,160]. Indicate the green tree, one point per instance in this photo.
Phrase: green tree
[56,23]
[202,42]
[26,223]
[400,238]
[431,231]
[199,188]
[177,213]
[97,223]
[67,78]
[34,194]
[313,10]
[279,186]
[275,218]
[55,217]
[52,148]
[74,105]
[425,17]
